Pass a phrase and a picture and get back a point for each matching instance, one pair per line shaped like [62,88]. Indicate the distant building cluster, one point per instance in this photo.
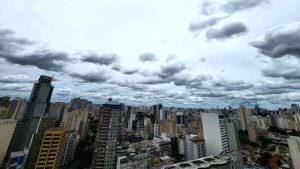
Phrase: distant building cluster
[36,133]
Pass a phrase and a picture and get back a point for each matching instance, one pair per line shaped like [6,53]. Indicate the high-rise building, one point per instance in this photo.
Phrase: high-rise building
[156,130]
[180,118]
[37,107]
[244,117]
[52,148]
[78,103]
[16,108]
[3,112]
[233,137]
[76,120]
[168,126]
[197,127]
[252,133]
[44,124]
[157,112]
[70,147]
[104,156]
[17,159]
[294,146]
[7,128]
[140,116]
[5,101]
[57,110]
[215,134]
[194,147]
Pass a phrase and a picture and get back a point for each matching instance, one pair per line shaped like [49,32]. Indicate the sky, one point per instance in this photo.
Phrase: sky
[196,53]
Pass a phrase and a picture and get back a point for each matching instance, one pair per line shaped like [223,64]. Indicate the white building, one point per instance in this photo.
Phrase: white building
[7,128]
[226,161]
[156,130]
[283,122]
[294,146]
[181,144]
[194,147]
[133,160]
[70,147]
[215,134]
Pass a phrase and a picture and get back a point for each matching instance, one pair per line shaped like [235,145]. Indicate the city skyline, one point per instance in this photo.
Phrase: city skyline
[184,54]
[80,134]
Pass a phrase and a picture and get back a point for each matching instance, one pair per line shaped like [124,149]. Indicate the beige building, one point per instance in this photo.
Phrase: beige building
[294,146]
[252,133]
[244,117]
[3,112]
[7,128]
[51,152]
[168,126]
[197,127]
[76,120]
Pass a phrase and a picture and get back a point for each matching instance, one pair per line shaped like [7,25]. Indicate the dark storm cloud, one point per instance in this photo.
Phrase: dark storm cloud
[19,78]
[92,77]
[45,60]
[227,31]
[106,59]
[10,44]
[170,70]
[147,57]
[281,41]
[200,25]
[240,5]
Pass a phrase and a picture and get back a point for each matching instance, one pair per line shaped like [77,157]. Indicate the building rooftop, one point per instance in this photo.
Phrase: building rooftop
[201,163]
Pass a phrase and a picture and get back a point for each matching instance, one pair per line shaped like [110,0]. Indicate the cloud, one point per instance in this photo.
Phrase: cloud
[147,57]
[280,41]
[45,60]
[106,59]
[16,87]
[207,7]
[280,69]
[240,5]
[200,25]
[10,44]
[227,31]
[116,67]
[233,85]
[92,77]
[170,70]
[130,71]
[19,78]
[64,92]
[170,58]
[190,82]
